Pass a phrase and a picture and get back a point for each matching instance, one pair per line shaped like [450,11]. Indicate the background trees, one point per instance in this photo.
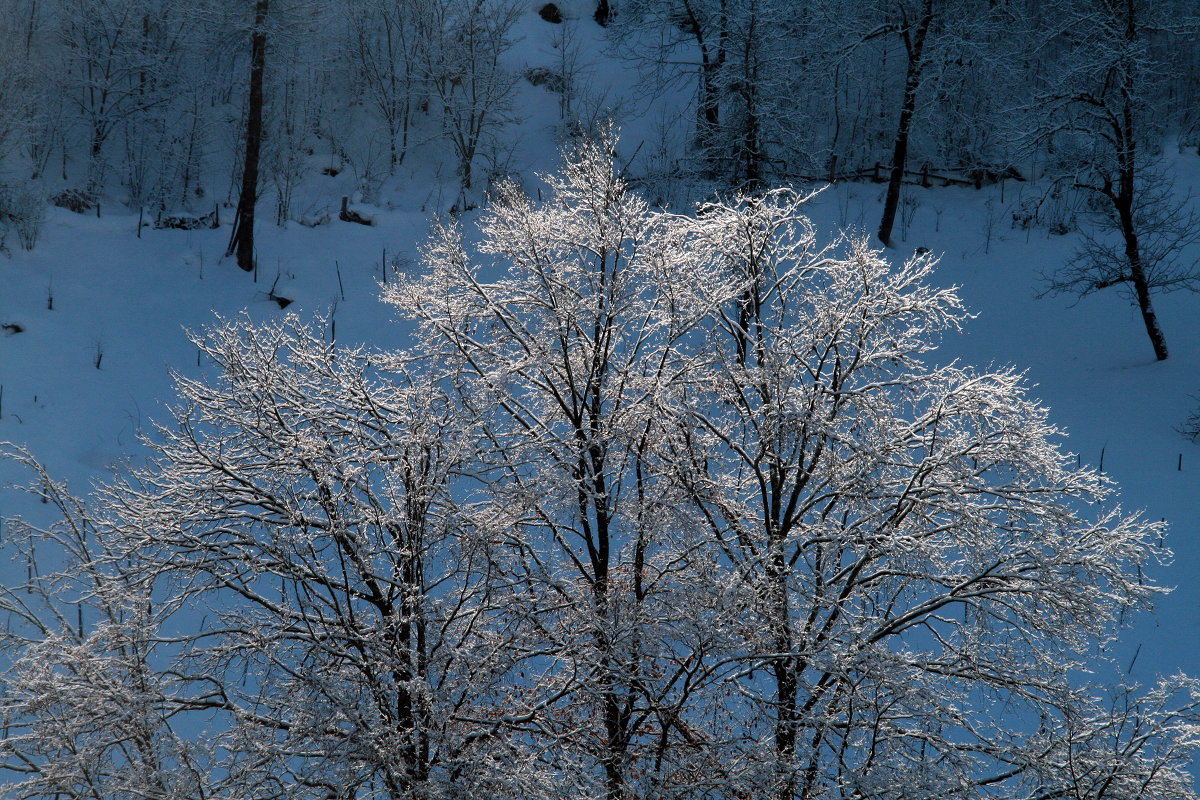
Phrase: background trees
[464,45]
[152,100]
[386,43]
[142,96]
[241,240]
[746,58]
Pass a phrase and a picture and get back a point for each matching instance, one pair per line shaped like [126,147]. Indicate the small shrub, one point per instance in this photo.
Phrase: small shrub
[187,222]
[23,211]
[74,200]
[542,76]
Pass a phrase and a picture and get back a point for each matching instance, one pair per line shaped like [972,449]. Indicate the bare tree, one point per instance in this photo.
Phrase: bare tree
[109,71]
[738,52]
[934,35]
[1105,133]
[339,571]
[18,99]
[463,48]
[561,360]
[387,51]
[91,705]
[241,239]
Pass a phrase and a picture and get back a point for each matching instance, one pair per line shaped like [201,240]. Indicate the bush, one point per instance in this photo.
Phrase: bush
[23,211]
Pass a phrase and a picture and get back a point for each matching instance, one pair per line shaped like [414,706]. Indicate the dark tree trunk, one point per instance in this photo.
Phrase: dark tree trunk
[616,717]
[95,181]
[786,676]
[712,62]
[1127,159]
[1124,199]
[1142,288]
[1123,203]
[241,241]
[751,127]
[914,44]
[410,713]
[710,106]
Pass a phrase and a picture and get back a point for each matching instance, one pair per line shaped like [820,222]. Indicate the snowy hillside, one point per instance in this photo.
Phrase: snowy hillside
[124,302]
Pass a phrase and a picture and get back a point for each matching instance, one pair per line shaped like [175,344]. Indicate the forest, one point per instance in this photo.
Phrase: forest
[175,106]
[665,491]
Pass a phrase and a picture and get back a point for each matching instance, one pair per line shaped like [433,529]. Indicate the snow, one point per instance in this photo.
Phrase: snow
[82,380]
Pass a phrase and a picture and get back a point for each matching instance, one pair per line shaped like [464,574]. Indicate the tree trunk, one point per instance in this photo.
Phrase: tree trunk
[1148,316]
[1133,257]
[1127,161]
[241,241]
[751,127]
[914,43]
[616,719]
[95,180]
[712,61]
[785,674]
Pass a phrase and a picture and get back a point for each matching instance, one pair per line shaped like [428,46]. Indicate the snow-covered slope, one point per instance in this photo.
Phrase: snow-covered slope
[94,316]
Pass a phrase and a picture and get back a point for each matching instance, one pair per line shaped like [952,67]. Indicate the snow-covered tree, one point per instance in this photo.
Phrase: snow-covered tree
[925,48]
[561,350]
[351,638]
[657,506]
[464,45]
[744,57]
[91,705]
[921,566]
[386,50]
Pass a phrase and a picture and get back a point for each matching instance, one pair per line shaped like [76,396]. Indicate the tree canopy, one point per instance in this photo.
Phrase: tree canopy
[654,505]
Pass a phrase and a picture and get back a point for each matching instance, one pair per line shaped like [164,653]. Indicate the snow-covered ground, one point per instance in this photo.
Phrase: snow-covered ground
[79,381]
